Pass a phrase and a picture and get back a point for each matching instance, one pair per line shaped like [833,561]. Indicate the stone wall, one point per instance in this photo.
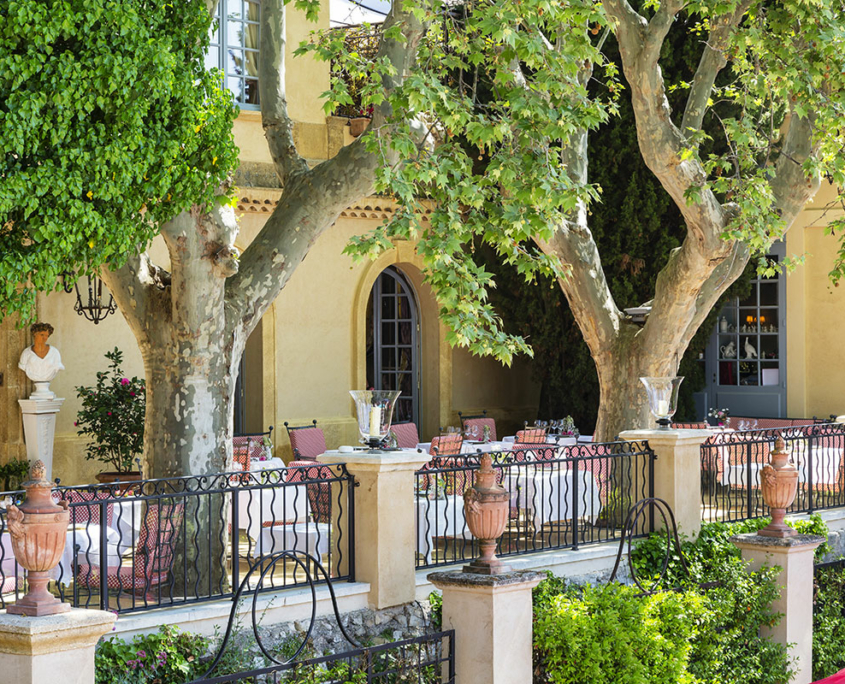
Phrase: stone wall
[13,386]
[367,627]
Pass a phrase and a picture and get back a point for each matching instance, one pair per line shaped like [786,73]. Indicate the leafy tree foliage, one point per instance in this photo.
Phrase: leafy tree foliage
[109,125]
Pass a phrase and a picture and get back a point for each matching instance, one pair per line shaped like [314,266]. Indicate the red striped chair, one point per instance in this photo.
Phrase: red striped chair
[307,442]
[320,493]
[534,452]
[447,445]
[480,421]
[407,436]
[153,557]
[531,436]
[84,508]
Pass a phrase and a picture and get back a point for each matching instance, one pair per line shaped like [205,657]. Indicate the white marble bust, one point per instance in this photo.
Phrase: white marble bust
[41,362]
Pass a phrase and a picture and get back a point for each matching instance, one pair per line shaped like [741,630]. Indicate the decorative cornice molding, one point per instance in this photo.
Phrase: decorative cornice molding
[264,201]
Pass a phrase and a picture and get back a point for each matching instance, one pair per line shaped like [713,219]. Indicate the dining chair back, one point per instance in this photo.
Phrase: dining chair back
[531,436]
[407,436]
[480,421]
[447,445]
[307,441]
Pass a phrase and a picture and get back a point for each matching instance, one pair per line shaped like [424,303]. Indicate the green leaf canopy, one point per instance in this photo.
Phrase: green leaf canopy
[110,124]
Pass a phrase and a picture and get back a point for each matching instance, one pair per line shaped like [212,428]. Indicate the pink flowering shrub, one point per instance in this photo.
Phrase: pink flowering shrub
[112,415]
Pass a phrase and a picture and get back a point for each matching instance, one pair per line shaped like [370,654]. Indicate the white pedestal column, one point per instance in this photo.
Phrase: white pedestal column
[39,429]
[51,648]
[492,616]
[794,556]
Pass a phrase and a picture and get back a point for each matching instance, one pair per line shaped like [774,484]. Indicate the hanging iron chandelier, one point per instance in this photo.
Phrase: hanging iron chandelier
[96,308]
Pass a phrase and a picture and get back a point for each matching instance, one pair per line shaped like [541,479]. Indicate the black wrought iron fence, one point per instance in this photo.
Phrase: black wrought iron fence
[731,463]
[176,541]
[560,497]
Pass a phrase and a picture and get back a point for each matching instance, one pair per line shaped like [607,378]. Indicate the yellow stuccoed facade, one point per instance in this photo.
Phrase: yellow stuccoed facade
[309,349]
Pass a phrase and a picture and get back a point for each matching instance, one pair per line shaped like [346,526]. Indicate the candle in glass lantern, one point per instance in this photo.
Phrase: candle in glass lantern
[375,421]
[662,407]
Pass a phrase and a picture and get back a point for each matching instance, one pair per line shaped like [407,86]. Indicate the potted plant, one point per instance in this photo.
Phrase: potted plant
[719,417]
[358,124]
[112,414]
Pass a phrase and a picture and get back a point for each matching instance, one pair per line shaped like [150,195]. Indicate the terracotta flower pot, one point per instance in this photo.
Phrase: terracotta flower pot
[486,508]
[39,532]
[779,482]
[124,481]
[358,125]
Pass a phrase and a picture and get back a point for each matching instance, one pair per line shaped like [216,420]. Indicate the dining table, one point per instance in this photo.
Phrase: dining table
[472,447]
[439,517]
[547,494]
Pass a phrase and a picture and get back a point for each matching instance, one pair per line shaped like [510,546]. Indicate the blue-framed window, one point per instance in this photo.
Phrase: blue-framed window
[234,48]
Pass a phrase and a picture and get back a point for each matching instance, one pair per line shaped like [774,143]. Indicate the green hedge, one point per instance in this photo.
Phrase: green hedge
[681,634]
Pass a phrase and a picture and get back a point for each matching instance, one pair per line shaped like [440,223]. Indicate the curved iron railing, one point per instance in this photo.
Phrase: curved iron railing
[174,541]
[731,463]
[560,498]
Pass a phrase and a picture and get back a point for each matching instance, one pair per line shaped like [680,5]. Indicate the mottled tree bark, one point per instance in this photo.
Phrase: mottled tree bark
[698,272]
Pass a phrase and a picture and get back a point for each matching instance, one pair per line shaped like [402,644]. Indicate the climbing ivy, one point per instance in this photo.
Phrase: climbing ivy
[109,125]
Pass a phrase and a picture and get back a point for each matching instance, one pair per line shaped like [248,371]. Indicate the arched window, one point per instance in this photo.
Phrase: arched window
[234,48]
[393,342]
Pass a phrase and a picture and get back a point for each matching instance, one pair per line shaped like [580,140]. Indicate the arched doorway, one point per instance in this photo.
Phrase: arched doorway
[393,342]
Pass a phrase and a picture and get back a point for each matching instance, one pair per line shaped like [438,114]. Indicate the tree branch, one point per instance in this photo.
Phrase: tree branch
[660,141]
[585,286]
[278,127]
[790,186]
[313,199]
[133,286]
[712,62]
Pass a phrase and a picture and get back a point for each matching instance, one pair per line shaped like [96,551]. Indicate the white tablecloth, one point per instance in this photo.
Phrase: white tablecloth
[471,447]
[311,538]
[560,441]
[827,461]
[439,518]
[88,540]
[259,505]
[547,494]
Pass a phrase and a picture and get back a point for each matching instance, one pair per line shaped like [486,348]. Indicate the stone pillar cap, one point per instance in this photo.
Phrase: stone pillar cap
[384,460]
[752,540]
[474,580]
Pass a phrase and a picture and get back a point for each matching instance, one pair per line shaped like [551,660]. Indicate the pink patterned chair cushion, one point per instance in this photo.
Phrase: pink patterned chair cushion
[319,493]
[469,423]
[531,436]
[307,443]
[446,445]
[407,436]
[153,558]
[245,448]
[85,508]
[690,426]
[534,452]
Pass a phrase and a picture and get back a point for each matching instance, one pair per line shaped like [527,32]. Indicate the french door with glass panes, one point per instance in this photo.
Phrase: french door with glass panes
[746,359]
[394,363]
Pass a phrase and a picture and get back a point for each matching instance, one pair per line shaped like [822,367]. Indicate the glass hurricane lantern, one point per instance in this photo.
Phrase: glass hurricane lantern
[375,412]
[662,398]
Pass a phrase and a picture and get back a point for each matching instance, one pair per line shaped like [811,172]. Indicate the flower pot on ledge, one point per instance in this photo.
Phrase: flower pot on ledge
[114,477]
[358,125]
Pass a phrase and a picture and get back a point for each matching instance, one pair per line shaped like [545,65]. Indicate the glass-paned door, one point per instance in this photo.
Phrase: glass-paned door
[393,349]
[747,354]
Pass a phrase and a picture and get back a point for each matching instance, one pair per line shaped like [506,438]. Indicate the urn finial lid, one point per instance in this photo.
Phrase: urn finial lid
[37,476]
[780,444]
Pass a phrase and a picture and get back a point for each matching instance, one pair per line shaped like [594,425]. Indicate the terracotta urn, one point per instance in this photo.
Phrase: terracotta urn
[486,508]
[39,530]
[779,482]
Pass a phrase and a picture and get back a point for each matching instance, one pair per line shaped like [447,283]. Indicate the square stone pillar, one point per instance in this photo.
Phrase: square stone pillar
[39,425]
[51,648]
[492,616]
[677,471]
[794,556]
[385,525]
